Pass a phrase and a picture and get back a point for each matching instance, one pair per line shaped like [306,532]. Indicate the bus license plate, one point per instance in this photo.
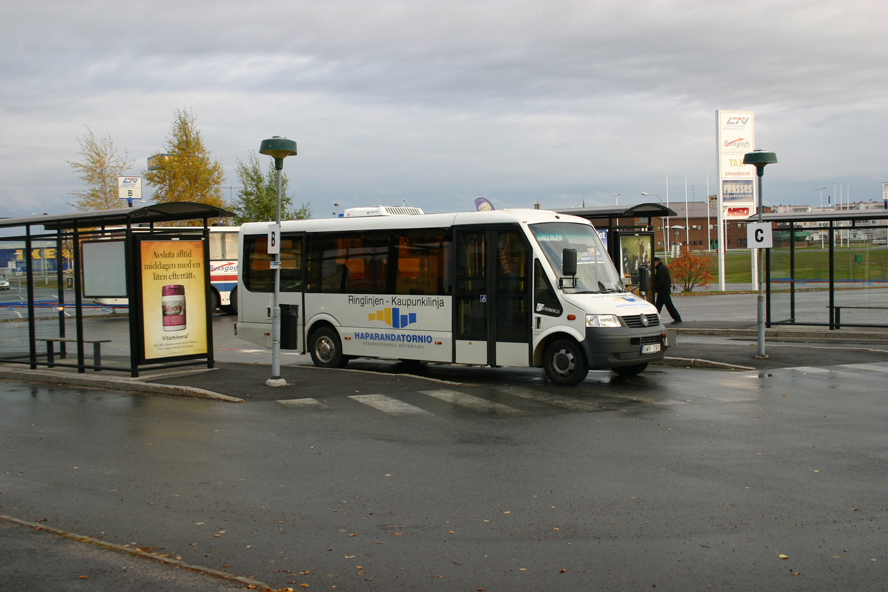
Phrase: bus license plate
[650,349]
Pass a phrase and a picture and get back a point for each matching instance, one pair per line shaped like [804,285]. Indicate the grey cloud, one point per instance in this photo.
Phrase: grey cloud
[447,98]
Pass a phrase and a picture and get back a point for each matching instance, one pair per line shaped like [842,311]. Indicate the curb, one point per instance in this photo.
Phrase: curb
[698,363]
[48,377]
[249,583]
[787,334]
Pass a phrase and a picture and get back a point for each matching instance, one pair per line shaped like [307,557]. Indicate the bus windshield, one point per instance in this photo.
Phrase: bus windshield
[595,271]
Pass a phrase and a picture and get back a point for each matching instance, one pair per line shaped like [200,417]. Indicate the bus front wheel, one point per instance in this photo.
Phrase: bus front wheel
[326,349]
[565,363]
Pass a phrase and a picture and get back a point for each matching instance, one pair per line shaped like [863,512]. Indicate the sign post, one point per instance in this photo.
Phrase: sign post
[278,148]
[760,159]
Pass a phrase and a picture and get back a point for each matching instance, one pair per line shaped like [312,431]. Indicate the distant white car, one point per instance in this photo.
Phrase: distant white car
[4,283]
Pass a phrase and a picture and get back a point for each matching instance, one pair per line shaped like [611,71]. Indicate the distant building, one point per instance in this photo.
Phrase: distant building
[12,256]
[699,228]
[843,232]
[702,232]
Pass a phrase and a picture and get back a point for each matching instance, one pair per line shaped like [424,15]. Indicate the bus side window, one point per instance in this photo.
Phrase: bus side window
[346,263]
[229,245]
[257,274]
[543,292]
[216,250]
[291,264]
[422,257]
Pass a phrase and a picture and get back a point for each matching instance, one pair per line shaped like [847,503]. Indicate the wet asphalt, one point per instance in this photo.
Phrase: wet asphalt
[703,473]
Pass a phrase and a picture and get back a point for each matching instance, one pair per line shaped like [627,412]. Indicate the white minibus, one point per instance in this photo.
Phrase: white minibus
[526,288]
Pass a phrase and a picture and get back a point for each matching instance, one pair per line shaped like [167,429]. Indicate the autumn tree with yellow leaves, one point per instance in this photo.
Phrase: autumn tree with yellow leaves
[99,168]
[187,172]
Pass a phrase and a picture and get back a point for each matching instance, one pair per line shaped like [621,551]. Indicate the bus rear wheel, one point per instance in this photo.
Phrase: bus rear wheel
[326,349]
[630,370]
[565,363]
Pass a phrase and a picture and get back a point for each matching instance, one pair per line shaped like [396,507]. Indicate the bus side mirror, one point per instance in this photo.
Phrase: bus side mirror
[644,278]
[568,268]
[569,262]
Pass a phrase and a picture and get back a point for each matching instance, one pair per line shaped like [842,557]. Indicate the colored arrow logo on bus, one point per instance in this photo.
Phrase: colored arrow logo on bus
[393,317]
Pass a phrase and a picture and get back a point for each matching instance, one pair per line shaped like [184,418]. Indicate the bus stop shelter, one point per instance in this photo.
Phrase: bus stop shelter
[628,232]
[48,318]
[827,268]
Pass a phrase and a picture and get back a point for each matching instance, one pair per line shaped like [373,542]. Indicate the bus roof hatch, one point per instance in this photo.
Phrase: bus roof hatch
[382,211]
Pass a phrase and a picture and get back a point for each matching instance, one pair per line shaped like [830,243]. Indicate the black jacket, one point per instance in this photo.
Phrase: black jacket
[662,279]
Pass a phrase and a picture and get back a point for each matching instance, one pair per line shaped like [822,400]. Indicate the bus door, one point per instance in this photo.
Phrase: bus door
[492,297]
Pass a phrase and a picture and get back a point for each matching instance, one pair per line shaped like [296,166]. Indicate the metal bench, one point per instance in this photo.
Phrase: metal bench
[50,350]
[838,309]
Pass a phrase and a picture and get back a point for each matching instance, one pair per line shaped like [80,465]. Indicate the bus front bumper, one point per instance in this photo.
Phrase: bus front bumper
[609,347]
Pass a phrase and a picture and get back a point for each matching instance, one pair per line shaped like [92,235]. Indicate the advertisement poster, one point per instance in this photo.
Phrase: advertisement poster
[173,288]
[636,251]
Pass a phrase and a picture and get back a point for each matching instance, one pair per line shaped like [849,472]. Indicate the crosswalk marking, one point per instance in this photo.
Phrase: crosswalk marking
[303,403]
[569,403]
[475,403]
[870,367]
[580,404]
[391,406]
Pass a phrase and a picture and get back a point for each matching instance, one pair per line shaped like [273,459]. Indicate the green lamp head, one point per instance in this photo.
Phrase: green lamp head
[278,148]
[759,159]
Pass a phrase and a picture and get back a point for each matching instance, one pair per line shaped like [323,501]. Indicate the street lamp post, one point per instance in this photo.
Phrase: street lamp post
[615,196]
[820,224]
[278,148]
[665,223]
[759,159]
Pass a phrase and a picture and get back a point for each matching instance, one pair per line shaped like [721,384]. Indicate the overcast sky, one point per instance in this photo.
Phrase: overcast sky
[435,103]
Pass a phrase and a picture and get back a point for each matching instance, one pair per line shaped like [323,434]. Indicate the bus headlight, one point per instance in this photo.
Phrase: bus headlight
[602,321]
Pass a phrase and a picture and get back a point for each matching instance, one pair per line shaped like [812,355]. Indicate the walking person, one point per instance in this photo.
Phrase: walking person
[663,290]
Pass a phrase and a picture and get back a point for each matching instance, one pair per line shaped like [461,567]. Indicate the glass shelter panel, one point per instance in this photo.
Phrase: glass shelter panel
[861,285]
[781,276]
[810,275]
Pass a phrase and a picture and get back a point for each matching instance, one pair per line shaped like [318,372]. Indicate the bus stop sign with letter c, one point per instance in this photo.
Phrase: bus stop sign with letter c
[758,235]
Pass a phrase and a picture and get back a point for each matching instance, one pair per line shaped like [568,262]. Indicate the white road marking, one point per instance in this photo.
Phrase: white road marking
[811,369]
[870,367]
[302,403]
[391,406]
[475,403]
[569,403]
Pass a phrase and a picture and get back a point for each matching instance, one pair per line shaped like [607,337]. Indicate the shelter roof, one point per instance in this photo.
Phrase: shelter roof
[152,213]
[645,210]
[823,215]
